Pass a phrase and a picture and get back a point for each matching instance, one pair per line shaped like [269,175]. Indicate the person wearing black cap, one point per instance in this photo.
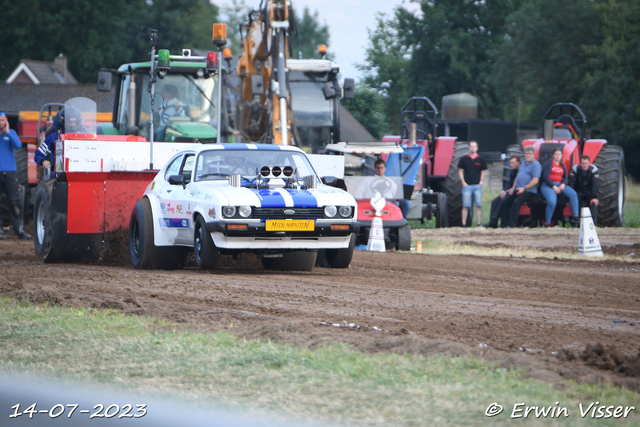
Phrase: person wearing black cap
[9,141]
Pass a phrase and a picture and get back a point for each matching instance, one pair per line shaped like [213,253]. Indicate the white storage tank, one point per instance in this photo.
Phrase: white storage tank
[459,106]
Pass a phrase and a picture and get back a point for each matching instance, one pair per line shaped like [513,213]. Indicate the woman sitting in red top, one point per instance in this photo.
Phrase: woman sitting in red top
[555,181]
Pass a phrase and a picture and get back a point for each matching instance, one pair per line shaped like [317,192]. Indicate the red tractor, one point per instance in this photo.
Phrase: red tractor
[564,127]
[437,182]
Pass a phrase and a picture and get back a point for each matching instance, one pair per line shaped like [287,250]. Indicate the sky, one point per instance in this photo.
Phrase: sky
[348,21]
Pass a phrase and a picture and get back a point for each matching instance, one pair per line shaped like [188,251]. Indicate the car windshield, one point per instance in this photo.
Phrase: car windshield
[219,164]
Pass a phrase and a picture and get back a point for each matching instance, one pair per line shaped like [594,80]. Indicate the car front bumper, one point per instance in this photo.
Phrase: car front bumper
[257,237]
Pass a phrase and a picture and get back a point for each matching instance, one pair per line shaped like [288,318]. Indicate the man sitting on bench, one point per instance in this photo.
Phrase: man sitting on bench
[525,188]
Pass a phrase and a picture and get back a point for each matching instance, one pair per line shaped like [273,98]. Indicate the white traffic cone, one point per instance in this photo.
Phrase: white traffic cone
[376,234]
[589,244]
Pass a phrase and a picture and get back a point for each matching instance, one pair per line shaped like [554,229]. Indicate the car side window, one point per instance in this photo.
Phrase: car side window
[187,168]
[173,168]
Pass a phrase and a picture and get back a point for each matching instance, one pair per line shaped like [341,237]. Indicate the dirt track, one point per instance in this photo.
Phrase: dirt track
[541,313]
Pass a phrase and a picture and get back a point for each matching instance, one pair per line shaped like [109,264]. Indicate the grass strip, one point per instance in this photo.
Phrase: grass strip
[443,247]
[333,383]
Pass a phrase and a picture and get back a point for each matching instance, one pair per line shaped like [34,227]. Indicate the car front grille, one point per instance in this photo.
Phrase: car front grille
[278,213]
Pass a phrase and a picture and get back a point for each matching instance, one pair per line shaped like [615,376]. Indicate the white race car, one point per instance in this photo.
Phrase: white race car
[232,198]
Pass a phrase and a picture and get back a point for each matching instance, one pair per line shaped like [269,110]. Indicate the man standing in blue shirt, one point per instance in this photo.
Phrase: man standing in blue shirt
[9,141]
[524,188]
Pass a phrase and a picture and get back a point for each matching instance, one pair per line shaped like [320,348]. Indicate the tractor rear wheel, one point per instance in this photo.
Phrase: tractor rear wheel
[26,208]
[610,164]
[49,228]
[452,186]
[442,211]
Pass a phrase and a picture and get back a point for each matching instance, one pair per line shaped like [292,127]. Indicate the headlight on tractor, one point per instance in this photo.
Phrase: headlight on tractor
[345,211]
[330,211]
[244,211]
[229,211]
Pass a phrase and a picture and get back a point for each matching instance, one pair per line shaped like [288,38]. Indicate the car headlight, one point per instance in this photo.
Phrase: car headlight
[244,211]
[330,211]
[345,211]
[229,211]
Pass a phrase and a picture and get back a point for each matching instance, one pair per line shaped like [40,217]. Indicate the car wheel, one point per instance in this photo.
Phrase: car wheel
[142,250]
[205,251]
[341,258]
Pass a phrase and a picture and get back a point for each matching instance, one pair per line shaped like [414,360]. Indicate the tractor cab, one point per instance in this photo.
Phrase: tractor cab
[186,100]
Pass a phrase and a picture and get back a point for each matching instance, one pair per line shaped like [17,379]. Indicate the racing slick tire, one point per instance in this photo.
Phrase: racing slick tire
[452,186]
[205,251]
[145,255]
[142,250]
[610,164]
[292,261]
[341,258]
[48,227]
[404,238]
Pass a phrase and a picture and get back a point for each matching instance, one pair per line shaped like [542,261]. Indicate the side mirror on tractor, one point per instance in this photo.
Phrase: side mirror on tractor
[328,90]
[349,89]
[104,81]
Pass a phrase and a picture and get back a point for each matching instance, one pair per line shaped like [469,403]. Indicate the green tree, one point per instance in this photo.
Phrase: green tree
[92,34]
[235,15]
[95,34]
[445,49]
[180,24]
[310,35]
[367,107]
[544,56]
[386,60]
[612,83]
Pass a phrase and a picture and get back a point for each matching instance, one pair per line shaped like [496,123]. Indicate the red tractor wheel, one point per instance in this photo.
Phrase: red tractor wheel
[610,164]
[452,186]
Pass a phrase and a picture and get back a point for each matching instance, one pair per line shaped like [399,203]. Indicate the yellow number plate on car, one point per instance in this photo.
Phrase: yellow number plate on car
[295,225]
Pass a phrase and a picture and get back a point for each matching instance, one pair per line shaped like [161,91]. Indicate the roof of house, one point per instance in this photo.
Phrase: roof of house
[25,97]
[42,72]
[351,129]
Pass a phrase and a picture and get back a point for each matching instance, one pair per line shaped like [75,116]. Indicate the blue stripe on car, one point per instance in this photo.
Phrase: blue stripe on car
[174,222]
[303,198]
[271,198]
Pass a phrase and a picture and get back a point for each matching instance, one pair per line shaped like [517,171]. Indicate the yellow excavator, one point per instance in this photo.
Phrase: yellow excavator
[265,115]
[286,101]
